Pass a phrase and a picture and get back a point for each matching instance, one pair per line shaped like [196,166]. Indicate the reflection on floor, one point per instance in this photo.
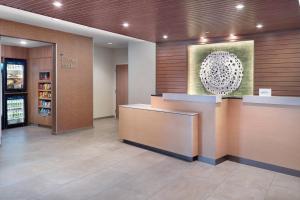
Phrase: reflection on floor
[93,164]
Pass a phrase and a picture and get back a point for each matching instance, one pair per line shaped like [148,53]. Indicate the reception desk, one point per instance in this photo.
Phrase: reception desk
[166,131]
[265,129]
[260,131]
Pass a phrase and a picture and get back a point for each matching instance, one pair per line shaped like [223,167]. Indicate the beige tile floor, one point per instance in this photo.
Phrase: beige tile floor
[95,165]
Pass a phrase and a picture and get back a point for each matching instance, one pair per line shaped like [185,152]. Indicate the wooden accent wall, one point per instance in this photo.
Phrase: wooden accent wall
[14,52]
[276,66]
[40,59]
[74,85]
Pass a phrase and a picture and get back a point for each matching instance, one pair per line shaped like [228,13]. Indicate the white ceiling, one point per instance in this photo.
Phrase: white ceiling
[17,42]
[100,37]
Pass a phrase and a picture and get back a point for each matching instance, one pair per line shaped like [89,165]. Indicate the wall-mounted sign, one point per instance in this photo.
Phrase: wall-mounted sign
[221,69]
[266,92]
[67,63]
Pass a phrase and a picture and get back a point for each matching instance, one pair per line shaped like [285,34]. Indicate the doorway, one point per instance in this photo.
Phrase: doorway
[121,86]
[28,82]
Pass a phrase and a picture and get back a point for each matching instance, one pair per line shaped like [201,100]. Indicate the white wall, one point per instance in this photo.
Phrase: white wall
[120,58]
[141,71]
[141,60]
[104,82]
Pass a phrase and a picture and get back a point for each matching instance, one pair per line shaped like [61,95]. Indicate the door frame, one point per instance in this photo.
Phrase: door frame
[116,93]
[54,79]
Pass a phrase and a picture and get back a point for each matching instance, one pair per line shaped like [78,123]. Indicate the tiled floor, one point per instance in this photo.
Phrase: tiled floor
[94,165]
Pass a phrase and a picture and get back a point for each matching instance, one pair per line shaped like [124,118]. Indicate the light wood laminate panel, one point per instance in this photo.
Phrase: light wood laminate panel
[173,132]
[74,85]
[40,59]
[14,52]
[207,121]
[265,133]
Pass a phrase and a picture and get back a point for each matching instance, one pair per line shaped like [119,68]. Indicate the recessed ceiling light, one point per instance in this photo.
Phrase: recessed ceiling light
[125,24]
[109,43]
[57,4]
[203,39]
[23,42]
[232,37]
[239,6]
[165,37]
[259,26]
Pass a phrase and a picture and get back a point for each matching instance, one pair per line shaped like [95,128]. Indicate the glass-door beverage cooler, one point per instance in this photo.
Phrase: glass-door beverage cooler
[14,75]
[14,93]
[15,110]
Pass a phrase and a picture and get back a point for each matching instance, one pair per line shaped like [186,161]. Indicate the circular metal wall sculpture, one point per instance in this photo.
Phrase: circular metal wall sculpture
[221,73]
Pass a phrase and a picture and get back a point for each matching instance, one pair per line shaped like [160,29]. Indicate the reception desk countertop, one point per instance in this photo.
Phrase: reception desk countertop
[192,98]
[149,107]
[272,100]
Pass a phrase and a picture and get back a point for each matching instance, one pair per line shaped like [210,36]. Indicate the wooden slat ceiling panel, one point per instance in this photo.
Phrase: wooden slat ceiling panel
[180,19]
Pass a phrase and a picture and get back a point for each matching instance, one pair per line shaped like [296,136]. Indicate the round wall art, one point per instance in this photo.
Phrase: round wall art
[221,73]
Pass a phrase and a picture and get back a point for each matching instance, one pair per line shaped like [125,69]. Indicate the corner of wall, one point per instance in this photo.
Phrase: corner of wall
[221,126]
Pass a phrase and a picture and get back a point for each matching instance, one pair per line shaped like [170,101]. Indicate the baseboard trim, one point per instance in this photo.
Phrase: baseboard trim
[211,160]
[168,153]
[264,165]
[110,116]
[252,163]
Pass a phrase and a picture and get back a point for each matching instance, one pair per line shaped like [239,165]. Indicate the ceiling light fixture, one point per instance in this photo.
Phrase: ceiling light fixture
[259,26]
[232,37]
[125,24]
[109,43]
[165,37]
[23,42]
[239,7]
[299,2]
[57,4]
[203,39]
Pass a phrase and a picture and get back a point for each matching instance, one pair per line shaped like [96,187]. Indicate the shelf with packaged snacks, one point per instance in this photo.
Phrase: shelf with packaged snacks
[44,94]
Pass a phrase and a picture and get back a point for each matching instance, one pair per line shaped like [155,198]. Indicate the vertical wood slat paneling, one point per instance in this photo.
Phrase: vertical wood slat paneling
[276,66]
[14,52]
[40,59]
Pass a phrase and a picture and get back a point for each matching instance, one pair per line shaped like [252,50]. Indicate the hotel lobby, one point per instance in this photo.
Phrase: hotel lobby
[150,100]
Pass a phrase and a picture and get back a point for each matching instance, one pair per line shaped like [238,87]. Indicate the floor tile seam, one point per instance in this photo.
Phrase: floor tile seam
[222,182]
[112,186]
[165,186]
[43,173]
[265,189]
[154,193]
[271,183]
[84,176]
[62,186]
[286,188]
[24,179]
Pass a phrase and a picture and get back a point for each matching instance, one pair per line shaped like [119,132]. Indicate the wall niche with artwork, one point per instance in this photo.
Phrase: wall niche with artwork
[224,69]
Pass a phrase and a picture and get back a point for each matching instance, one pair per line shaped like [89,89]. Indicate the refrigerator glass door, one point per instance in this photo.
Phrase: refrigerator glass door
[15,110]
[15,76]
